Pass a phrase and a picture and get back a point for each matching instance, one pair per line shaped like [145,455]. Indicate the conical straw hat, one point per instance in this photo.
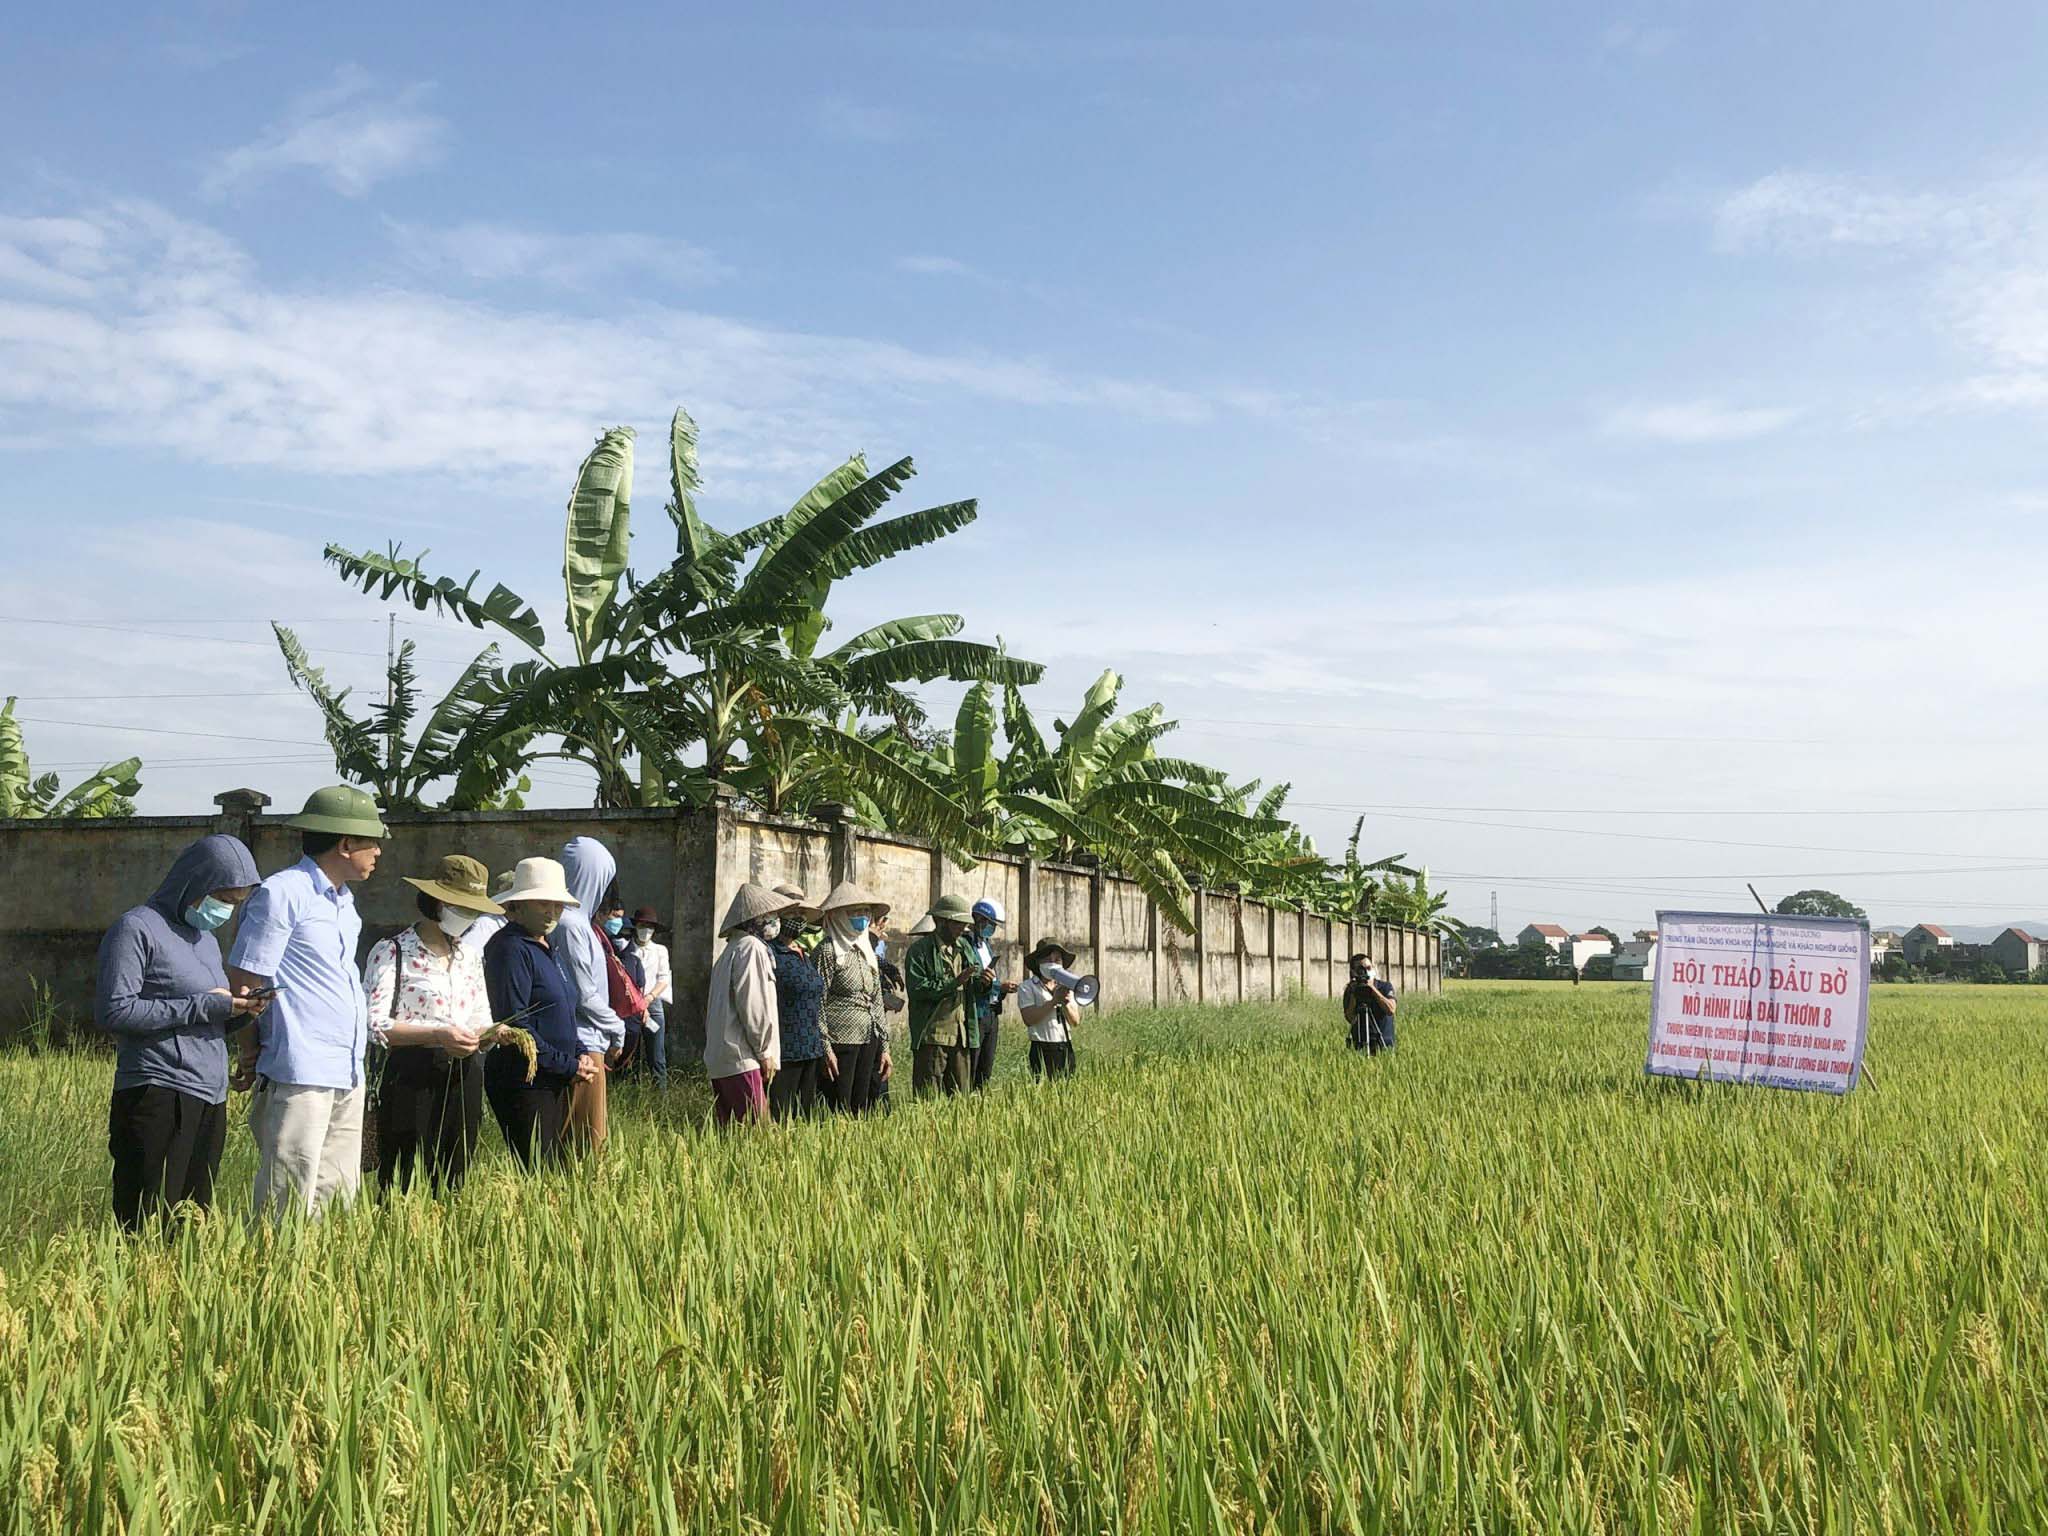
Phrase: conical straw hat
[799,902]
[846,894]
[751,901]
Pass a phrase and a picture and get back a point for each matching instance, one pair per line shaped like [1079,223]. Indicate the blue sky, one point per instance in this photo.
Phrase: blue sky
[1612,425]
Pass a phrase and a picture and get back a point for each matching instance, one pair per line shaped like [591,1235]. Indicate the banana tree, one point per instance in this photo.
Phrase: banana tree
[107,793]
[1101,787]
[374,751]
[1411,903]
[588,704]
[1352,887]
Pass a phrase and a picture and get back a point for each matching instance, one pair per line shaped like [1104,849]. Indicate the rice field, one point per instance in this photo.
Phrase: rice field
[1231,1278]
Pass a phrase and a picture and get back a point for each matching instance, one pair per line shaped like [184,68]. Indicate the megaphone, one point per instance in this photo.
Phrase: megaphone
[1085,988]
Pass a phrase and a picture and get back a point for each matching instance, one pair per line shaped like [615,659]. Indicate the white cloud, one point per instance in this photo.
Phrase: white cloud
[503,252]
[934,266]
[1806,209]
[352,133]
[1695,421]
[166,332]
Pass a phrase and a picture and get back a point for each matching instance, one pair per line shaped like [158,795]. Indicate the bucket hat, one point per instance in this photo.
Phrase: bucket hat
[459,882]
[1045,947]
[647,917]
[952,909]
[343,810]
[846,894]
[752,901]
[540,880]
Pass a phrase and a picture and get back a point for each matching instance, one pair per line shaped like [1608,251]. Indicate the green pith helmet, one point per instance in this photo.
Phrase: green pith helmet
[953,909]
[343,811]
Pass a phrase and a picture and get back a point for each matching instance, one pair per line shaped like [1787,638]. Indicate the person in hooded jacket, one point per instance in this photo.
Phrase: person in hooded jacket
[591,872]
[163,995]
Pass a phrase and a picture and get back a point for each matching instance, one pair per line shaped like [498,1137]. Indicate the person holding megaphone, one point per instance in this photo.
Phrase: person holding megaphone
[1046,1002]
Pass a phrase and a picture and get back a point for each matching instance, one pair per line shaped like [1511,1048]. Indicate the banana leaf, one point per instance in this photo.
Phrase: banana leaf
[596,536]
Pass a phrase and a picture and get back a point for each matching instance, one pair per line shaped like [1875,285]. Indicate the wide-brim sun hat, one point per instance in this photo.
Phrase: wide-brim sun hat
[1046,947]
[539,880]
[922,926]
[953,909]
[750,903]
[459,882]
[646,917]
[341,810]
[846,896]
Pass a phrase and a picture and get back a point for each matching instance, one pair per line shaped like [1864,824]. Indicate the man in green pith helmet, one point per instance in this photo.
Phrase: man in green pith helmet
[944,975]
[304,1060]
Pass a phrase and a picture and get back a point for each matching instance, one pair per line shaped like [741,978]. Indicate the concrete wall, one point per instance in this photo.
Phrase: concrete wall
[63,882]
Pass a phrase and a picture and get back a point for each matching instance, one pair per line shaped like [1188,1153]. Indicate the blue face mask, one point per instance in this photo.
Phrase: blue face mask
[614,926]
[208,913]
[988,930]
[881,948]
[858,924]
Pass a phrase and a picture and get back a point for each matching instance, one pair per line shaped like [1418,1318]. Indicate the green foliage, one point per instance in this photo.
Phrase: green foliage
[1818,903]
[107,793]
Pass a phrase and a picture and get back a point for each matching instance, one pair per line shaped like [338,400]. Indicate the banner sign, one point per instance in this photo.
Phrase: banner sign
[1760,998]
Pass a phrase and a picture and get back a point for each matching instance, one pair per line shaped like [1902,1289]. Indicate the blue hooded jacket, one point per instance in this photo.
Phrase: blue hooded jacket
[157,976]
[590,870]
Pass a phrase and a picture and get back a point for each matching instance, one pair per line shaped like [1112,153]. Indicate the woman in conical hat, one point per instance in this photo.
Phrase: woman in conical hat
[742,1028]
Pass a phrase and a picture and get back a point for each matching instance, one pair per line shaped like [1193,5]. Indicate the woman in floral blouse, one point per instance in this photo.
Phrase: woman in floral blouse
[428,1011]
[853,1012]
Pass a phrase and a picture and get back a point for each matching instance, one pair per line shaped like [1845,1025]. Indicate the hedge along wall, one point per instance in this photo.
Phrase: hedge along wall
[63,882]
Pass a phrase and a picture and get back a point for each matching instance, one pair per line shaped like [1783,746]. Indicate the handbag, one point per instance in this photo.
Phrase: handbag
[626,998]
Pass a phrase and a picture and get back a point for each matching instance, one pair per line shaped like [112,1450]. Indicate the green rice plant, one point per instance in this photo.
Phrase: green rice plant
[1231,1277]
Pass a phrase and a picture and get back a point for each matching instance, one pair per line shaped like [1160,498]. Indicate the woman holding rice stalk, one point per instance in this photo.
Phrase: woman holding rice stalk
[534,994]
[429,1010]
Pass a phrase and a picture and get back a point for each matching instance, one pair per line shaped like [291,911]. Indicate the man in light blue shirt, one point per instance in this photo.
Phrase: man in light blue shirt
[298,935]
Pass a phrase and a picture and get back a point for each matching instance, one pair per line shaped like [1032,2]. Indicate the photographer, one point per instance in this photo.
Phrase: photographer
[1369,1005]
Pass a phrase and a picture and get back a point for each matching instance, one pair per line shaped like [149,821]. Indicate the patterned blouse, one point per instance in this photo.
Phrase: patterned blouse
[430,989]
[798,990]
[853,1000]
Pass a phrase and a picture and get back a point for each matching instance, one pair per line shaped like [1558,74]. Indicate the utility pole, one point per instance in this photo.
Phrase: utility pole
[390,700]
[1495,924]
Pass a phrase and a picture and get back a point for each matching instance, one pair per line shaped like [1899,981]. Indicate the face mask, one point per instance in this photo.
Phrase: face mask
[644,935]
[538,921]
[768,928]
[454,921]
[988,930]
[857,924]
[881,949]
[614,926]
[208,913]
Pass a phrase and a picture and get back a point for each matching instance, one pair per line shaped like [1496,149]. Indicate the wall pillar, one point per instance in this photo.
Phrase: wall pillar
[1025,925]
[239,809]
[705,871]
[1097,959]
[1201,945]
[845,836]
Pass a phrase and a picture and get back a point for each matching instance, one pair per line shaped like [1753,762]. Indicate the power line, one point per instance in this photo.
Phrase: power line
[158,730]
[1664,837]
[1565,810]
[107,698]
[261,645]
[1767,741]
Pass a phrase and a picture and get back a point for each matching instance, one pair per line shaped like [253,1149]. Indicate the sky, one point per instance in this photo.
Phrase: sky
[1598,444]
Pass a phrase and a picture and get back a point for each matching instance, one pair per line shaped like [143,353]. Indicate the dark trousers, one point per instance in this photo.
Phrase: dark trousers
[794,1092]
[430,1111]
[533,1116]
[1052,1058]
[985,1056]
[166,1148]
[946,1069]
[852,1092]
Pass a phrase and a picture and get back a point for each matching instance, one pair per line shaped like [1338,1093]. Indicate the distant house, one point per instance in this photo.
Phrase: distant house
[1548,934]
[1637,959]
[2017,952]
[1584,946]
[1883,945]
[1924,939]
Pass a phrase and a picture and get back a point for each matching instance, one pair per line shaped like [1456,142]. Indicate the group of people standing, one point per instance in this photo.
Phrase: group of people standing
[802,997]
[528,998]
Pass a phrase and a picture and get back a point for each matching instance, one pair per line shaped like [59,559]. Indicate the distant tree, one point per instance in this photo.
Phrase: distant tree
[1894,968]
[1600,967]
[1482,938]
[1986,970]
[1608,934]
[1533,961]
[1818,904]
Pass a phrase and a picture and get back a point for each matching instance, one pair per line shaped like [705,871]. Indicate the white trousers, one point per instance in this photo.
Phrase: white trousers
[309,1146]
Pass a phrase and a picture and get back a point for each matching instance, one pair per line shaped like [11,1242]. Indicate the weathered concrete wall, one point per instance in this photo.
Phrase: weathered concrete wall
[63,882]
